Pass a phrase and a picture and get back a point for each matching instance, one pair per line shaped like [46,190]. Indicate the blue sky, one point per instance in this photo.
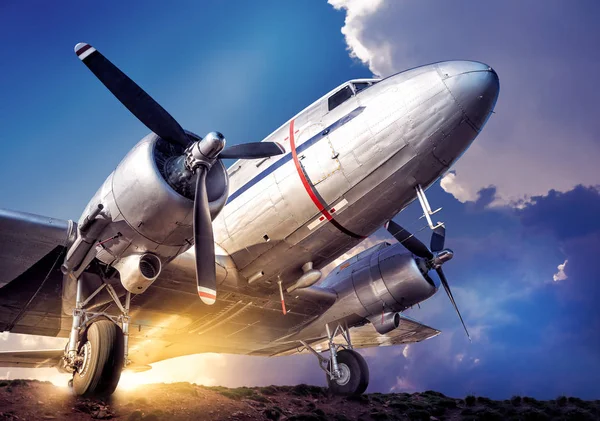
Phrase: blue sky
[523,200]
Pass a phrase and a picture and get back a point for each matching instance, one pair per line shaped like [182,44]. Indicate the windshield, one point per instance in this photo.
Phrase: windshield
[359,86]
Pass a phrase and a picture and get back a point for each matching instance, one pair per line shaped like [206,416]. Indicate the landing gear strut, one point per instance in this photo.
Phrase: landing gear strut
[346,370]
[97,349]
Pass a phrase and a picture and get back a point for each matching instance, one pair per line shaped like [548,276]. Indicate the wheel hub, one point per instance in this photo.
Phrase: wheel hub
[344,374]
[85,353]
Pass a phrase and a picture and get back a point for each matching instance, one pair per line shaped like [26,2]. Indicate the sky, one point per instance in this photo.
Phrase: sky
[520,206]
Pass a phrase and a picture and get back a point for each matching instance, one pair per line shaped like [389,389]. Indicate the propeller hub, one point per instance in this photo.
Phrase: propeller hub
[442,257]
[205,151]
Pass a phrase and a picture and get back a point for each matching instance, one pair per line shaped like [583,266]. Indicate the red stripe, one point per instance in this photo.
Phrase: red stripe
[305,182]
[283,307]
[83,50]
[207,295]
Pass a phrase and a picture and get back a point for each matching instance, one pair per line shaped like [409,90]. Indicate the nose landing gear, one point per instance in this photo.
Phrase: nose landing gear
[346,370]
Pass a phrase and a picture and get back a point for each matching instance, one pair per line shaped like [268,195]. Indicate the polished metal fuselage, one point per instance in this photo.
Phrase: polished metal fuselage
[362,161]
[405,130]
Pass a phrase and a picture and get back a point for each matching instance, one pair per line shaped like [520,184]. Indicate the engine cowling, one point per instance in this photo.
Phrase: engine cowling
[148,207]
[384,279]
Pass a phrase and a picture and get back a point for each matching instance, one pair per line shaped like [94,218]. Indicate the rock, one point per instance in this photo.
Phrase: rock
[101,414]
[272,414]
[135,415]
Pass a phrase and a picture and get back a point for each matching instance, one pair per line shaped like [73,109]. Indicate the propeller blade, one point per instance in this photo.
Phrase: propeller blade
[204,242]
[440,273]
[252,150]
[438,238]
[412,243]
[141,105]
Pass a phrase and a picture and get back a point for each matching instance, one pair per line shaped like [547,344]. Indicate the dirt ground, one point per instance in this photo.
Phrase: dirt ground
[34,400]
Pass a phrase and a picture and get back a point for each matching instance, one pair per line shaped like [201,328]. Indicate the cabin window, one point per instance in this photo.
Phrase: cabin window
[340,96]
[359,86]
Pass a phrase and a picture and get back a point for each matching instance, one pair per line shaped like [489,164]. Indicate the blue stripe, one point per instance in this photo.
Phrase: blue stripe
[299,149]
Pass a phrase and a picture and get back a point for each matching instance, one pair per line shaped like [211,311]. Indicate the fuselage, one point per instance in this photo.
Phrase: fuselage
[348,168]
[352,161]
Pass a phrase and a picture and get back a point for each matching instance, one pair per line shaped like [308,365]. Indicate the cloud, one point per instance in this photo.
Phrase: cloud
[543,135]
[403,385]
[560,275]
[450,185]
[356,12]
[405,351]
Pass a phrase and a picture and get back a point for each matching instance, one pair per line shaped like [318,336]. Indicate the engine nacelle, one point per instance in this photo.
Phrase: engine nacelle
[375,285]
[383,279]
[148,208]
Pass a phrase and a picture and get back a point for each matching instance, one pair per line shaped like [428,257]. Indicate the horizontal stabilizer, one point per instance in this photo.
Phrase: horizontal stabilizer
[31,359]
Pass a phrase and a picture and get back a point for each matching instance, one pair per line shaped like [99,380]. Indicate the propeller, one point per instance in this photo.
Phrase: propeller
[200,155]
[436,257]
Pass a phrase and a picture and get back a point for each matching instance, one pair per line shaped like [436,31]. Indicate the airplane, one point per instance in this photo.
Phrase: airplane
[175,254]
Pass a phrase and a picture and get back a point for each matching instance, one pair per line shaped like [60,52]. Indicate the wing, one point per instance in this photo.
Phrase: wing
[25,239]
[31,252]
[409,331]
[31,359]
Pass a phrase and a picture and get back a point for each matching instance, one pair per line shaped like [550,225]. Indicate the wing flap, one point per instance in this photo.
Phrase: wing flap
[31,359]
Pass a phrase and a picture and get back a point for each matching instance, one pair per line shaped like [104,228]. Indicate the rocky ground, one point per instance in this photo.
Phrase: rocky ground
[33,400]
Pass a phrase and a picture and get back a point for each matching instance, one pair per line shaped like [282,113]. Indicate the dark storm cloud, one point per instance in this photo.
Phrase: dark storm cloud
[532,335]
[566,215]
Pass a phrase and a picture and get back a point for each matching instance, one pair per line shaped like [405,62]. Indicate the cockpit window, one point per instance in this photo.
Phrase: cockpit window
[340,96]
[359,86]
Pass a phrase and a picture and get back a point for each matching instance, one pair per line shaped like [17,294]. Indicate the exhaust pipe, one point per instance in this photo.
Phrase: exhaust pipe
[138,271]
[385,323]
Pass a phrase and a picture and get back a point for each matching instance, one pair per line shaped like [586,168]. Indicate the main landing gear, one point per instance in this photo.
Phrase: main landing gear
[97,349]
[346,370]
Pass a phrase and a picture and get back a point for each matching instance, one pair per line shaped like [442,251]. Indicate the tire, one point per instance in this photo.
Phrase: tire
[103,352]
[355,374]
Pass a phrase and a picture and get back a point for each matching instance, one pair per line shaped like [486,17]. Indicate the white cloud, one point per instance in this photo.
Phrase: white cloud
[403,385]
[560,275]
[405,351]
[530,145]
[460,192]
[356,12]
